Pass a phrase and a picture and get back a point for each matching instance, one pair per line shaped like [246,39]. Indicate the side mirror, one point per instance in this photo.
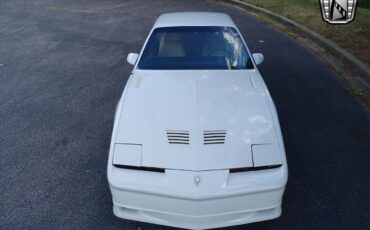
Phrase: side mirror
[132,58]
[258,58]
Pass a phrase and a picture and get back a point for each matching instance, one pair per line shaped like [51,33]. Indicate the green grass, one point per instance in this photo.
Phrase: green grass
[357,91]
[354,37]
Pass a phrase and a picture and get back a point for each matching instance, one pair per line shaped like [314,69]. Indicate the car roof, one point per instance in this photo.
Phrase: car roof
[194,19]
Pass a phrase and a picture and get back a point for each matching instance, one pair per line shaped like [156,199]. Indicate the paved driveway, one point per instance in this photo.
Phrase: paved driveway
[62,71]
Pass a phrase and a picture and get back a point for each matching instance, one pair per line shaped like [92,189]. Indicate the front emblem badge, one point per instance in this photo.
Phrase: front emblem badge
[197,180]
[338,11]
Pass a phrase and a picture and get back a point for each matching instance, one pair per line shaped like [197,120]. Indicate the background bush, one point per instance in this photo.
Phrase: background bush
[364,3]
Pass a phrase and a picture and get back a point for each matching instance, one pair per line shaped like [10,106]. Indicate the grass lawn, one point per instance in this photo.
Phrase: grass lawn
[354,37]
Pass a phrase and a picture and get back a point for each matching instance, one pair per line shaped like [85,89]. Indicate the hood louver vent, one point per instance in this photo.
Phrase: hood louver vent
[178,137]
[214,137]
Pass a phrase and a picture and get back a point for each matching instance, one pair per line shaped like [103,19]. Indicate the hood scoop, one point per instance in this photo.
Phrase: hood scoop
[214,137]
[178,137]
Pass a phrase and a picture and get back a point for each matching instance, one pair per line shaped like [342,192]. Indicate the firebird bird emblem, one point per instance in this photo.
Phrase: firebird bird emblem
[338,11]
[197,180]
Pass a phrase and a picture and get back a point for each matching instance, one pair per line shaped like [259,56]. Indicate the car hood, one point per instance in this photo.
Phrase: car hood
[232,103]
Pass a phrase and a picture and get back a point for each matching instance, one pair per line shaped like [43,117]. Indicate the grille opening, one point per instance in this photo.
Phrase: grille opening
[147,169]
[214,137]
[246,169]
[178,137]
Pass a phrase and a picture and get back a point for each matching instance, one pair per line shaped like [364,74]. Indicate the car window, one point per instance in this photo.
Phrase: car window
[195,47]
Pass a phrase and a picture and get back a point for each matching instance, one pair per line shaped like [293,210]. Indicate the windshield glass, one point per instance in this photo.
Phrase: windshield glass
[198,47]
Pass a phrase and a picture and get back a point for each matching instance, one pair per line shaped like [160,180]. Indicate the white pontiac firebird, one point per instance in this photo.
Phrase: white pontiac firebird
[196,140]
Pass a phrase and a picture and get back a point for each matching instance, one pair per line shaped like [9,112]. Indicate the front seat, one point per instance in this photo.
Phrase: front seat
[171,46]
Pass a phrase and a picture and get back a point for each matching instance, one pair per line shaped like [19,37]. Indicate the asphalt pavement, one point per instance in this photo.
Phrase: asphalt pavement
[63,69]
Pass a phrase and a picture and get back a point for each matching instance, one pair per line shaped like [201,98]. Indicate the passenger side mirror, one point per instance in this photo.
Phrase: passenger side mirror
[258,58]
[132,58]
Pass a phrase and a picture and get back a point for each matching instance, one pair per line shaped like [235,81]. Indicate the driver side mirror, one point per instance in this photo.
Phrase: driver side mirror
[132,58]
[258,58]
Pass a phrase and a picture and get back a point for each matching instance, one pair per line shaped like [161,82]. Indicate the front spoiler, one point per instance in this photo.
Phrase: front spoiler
[220,199]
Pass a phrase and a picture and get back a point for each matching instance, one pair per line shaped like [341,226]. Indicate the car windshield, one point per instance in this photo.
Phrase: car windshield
[195,47]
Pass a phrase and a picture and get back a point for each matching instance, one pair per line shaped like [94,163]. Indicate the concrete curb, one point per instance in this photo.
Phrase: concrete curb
[358,66]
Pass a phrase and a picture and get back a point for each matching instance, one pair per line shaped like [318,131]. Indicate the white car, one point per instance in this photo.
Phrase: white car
[196,141]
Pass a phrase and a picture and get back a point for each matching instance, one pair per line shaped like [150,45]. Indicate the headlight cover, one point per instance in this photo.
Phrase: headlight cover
[266,154]
[127,154]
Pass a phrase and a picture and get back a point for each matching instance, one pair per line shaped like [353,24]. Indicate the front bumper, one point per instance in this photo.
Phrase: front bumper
[220,199]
